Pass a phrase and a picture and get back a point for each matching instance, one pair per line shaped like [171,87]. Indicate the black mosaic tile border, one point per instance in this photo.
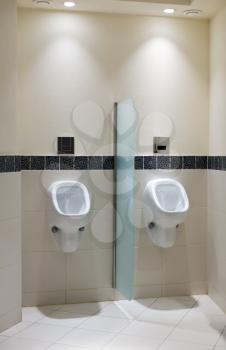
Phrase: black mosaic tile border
[13,163]
[19,163]
[171,162]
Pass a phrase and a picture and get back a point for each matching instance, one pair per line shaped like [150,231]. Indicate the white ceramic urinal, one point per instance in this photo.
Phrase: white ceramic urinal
[69,214]
[165,207]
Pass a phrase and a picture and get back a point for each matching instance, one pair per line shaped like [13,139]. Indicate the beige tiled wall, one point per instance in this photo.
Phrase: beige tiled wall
[10,215]
[216,261]
[181,269]
[217,179]
[92,60]
[50,276]
[10,250]
[66,58]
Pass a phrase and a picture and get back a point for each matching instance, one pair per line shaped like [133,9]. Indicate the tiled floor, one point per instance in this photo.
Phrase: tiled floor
[180,323]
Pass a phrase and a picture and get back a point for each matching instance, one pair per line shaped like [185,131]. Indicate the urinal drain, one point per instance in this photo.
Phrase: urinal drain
[54,229]
[151,225]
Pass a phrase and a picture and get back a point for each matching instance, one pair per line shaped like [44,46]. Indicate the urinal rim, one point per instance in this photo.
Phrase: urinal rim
[53,192]
[152,188]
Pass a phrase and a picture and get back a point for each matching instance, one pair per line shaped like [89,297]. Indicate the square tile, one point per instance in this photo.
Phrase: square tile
[85,338]
[17,163]
[175,162]
[9,164]
[201,162]
[189,162]
[25,162]
[16,329]
[173,345]
[36,313]
[128,342]
[144,329]
[108,163]
[164,317]
[150,162]
[15,343]
[52,163]
[2,164]
[44,332]
[67,163]
[105,324]
[196,336]
[84,308]
[37,163]
[61,318]
[81,163]
[163,162]
[95,163]
[139,163]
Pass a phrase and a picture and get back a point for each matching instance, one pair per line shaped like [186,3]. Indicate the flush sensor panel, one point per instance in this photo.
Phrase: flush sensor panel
[161,145]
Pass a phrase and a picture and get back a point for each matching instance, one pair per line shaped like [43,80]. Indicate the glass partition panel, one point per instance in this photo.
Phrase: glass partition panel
[125,184]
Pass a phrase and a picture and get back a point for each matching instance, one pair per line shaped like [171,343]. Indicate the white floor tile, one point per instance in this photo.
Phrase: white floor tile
[174,303]
[85,338]
[198,320]
[67,319]
[34,314]
[105,324]
[3,338]
[154,331]
[16,329]
[23,344]
[86,308]
[66,347]
[164,317]
[222,340]
[115,310]
[127,342]
[197,336]
[172,345]
[135,307]
[208,307]
[44,332]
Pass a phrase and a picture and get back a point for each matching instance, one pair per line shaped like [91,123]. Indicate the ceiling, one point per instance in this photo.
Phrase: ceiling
[139,7]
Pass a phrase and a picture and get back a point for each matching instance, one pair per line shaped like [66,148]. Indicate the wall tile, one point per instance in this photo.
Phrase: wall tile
[81,163]
[139,163]
[163,162]
[108,162]
[49,269]
[52,163]
[201,162]
[150,162]
[25,162]
[95,163]
[37,163]
[89,269]
[189,162]
[66,163]
[10,164]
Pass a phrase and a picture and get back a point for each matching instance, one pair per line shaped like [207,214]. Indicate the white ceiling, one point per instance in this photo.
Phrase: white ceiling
[139,7]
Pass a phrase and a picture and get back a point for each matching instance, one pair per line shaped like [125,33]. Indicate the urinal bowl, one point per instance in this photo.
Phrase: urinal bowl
[68,213]
[165,207]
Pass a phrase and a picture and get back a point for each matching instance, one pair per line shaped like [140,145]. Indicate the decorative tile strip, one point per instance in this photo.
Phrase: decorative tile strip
[11,163]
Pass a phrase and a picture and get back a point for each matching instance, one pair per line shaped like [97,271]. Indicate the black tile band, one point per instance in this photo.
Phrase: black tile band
[18,163]
[170,162]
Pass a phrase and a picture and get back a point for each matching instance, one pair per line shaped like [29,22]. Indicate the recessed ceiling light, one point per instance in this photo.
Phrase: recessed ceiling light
[169,11]
[42,2]
[192,12]
[69,4]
